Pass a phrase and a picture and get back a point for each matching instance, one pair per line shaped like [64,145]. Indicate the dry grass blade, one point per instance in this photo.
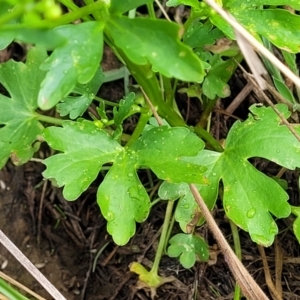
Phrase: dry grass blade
[28,265]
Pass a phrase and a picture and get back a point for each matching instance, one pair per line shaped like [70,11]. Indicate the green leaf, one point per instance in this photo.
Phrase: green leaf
[188,247]
[174,145]
[250,197]
[277,25]
[220,72]
[86,148]
[76,106]
[19,127]
[121,196]
[76,60]
[192,3]
[120,114]
[120,7]
[123,199]
[157,42]
[283,90]
[200,35]
[186,207]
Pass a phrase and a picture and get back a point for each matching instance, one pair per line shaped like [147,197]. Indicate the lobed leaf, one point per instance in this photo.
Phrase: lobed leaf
[188,247]
[85,149]
[250,197]
[157,42]
[76,60]
[121,196]
[19,127]
[164,150]
[123,199]
[75,106]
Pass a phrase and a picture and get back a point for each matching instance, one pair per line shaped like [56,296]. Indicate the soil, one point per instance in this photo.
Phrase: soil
[68,241]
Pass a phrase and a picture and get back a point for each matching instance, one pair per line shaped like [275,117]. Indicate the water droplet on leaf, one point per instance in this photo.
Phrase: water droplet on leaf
[251,213]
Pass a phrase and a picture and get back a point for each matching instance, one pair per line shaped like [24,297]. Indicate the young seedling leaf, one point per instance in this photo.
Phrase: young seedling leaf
[188,247]
[220,72]
[120,114]
[76,60]
[156,42]
[19,127]
[250,197]
[120,7]
[85,149]
[75,106]
[164,150]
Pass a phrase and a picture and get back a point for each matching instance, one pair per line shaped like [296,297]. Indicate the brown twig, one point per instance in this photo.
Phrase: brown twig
[248,286]
[268,278]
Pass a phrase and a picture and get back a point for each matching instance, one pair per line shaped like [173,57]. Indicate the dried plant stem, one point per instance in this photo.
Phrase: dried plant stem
[28,265]
[249,287]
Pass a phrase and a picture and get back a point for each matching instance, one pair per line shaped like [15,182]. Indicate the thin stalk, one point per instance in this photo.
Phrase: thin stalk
[14,13]
[63,20]
[162,240]
[107,102]
[139,127]
[169,232]
[72,6]
[151,11]
[50,120]
[210,104]
[209,139]
[238,252]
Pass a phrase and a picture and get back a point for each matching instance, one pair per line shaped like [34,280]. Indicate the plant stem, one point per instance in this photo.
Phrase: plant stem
[139,127]
[162,240]
[238,252]
[72,6]
[63,20]
[151,11]
[50,120]
[209,138]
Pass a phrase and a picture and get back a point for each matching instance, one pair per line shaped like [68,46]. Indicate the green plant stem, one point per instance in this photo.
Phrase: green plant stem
[162,239]
[72,6]
[151,11]
[50,120]
[107,102]
[169,232]
[208,138]
[238,252]
[169,96]
[139,127]
[63,20]
[210,104]
[13,14]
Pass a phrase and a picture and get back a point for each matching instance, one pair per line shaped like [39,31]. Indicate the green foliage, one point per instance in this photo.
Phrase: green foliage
[189,247]
[157,42]
[75,106]
[121,196]
[76,60]
[19,127]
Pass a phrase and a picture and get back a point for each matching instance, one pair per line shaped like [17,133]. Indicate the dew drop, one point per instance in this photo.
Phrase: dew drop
[214,174]
[130,174]
[110,216]
[251,213]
